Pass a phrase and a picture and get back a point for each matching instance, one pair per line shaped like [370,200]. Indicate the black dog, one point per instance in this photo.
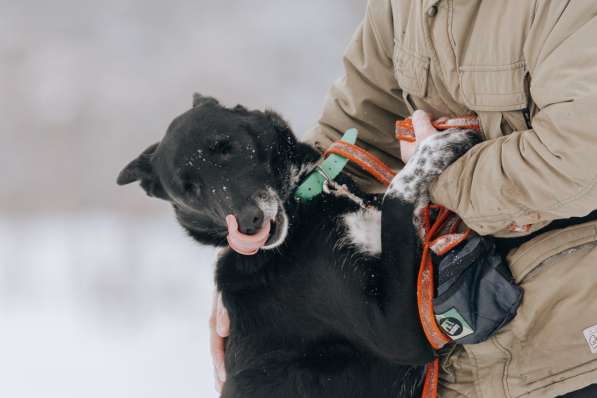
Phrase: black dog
[321,310]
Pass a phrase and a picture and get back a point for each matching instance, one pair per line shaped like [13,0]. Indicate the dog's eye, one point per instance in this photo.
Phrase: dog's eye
[188,187]
[221,148]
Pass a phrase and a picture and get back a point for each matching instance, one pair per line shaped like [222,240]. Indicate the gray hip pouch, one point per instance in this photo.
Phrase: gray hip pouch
[476,294]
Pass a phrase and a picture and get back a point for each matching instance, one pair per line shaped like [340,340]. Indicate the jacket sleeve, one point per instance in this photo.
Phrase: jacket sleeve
[367,96]
[548,172]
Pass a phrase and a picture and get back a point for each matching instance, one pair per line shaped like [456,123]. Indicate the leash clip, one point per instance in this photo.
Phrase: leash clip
[323,173]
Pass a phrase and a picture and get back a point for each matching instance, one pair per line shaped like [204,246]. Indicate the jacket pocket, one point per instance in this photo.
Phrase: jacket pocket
[494,87]
[411,71]
[555,271]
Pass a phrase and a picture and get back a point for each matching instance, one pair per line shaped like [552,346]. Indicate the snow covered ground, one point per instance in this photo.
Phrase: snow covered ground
[103,306]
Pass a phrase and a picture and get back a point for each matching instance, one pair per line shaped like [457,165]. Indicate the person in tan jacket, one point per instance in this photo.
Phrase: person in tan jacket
[528,70]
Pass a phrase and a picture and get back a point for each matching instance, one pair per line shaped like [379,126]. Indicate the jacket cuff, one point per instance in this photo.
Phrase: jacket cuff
[445,191]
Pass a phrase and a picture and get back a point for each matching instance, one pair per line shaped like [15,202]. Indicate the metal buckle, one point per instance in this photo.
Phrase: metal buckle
[322,172]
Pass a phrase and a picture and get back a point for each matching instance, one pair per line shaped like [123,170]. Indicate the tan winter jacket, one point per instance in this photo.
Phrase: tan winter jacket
[501,60]
[528,69]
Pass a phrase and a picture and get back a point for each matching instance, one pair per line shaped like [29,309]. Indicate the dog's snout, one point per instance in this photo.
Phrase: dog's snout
[250,219]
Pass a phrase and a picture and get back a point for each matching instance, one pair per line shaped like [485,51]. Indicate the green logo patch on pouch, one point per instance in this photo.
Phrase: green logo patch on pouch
[453,324]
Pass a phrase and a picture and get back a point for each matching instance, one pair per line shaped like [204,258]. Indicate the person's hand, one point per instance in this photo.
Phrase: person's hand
[423,130]
[219,328]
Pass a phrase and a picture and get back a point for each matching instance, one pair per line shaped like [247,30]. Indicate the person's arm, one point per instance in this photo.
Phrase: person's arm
[549,172]
[367,96]
[219,329]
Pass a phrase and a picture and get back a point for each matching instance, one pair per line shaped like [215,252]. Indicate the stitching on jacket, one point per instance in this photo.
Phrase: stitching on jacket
[515,65]
[430,48]
[544,255]
[489,93]
[506,369]
[539,53]
[493,108]
[475,370]
[416,70]
[406,52]
[578,235]
[375,30]
[474,98]
[533,15]
[403,73]
[451,32]
[558,381]
[584,191]
[559,203]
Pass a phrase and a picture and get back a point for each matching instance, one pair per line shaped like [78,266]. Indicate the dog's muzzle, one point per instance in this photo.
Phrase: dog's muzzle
[271,234]
[246,244]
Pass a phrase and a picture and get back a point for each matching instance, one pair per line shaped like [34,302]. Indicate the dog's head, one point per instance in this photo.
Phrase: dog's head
[226,172]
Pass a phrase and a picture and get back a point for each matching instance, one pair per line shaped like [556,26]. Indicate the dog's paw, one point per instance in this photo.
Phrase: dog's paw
[430,159]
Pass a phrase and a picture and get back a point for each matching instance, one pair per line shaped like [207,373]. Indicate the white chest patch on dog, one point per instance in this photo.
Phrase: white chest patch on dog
[363,230]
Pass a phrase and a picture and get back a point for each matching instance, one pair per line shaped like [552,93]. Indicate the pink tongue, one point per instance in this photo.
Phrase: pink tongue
[246,244]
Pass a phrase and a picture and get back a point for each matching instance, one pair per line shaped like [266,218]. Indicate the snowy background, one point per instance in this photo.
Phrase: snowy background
[101,293]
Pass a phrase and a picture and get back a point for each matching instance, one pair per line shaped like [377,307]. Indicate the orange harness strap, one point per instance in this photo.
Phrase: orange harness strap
[431,380]
[426,283]
[425,293]
[440,236]
[363,159]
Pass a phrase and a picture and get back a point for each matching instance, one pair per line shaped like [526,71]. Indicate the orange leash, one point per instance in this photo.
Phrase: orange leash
[440,236]
[425,293]
[405,130]
[425,282]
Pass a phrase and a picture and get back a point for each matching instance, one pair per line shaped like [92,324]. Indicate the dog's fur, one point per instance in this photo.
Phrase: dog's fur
[324,310]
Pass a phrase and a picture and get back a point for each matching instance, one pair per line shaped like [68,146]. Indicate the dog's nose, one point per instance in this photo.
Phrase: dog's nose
[250,220]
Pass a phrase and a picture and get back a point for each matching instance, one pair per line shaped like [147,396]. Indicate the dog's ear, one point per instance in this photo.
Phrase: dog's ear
[199,100]
[278,123]
[140,169]
[240,109]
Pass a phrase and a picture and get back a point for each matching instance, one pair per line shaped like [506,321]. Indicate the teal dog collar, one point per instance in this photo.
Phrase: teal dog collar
[326,170]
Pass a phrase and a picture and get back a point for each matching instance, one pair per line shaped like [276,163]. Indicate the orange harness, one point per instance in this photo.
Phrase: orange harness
[440,235]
